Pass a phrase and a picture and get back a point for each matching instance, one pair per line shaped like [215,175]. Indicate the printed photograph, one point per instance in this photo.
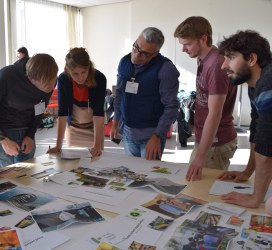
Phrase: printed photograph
[4,228]
[92,181]
[135,213]
[81,170]
[261,223]
[5,186]
[117,183]
[27,221]
[5,212]
[161,185]
[208,219]
[107,246]
[121,172]
[191,235]
[161,170]
[139,246]
[26,198]
[116,188]
[235,221]
[173,206]
[54,219]
[10,240]
[254,241]
[160,223]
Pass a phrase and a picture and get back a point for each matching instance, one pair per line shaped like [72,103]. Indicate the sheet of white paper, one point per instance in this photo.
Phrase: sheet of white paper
[65,178]
[226,209]
[75,153]
[54,189]
[105,196]
[83,244]
[131,230]
[48,241]
[160,185]
[223,187]
[34,239]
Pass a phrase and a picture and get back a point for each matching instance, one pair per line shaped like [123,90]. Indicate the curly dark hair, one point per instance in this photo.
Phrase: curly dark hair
[247,42]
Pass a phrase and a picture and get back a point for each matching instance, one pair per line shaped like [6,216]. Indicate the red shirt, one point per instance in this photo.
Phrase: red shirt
[212,80]
[80,93]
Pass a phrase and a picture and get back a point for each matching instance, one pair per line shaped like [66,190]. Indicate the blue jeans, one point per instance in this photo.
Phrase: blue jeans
[137,147]
[17,136]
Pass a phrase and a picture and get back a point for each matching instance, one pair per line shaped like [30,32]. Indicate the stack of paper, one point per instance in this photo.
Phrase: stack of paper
[75,154]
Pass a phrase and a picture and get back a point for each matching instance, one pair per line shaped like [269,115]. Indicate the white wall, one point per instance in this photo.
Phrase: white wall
[110,30]
[106,35]
[2,35]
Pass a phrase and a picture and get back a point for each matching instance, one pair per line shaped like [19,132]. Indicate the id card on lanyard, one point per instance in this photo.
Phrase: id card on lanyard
[131,86]
[39,108]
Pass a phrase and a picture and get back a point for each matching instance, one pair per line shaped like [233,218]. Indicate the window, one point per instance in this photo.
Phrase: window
[46,27]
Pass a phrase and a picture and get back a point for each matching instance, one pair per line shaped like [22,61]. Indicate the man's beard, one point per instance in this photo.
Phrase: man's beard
[241,77]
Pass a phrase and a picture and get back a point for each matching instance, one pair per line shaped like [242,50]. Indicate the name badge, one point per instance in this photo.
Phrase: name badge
[39,108]
[132,87]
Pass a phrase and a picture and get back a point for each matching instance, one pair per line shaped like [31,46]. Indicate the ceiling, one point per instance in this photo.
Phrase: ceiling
[87,3]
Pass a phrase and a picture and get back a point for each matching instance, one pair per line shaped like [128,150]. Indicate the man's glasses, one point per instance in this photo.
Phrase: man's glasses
[142,53]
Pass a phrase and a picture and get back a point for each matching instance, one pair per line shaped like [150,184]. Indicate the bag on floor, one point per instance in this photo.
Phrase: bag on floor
[184,128]
[47,121]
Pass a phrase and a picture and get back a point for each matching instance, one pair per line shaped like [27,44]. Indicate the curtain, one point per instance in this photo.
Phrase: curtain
[46,27]
[73,26]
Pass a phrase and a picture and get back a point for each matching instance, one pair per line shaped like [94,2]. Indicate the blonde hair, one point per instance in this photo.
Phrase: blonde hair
[195,27]
[80,57]
[42,67]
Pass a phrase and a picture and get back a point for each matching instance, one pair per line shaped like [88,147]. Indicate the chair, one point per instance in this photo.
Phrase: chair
[52,107]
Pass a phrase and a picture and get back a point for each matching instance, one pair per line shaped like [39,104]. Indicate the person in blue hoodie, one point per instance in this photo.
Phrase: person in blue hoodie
[146,97]
[25,90]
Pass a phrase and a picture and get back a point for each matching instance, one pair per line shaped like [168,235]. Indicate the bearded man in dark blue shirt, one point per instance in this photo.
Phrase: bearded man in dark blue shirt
[248,59]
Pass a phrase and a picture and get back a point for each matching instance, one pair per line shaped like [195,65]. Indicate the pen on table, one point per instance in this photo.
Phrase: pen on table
[241,187]
[49,147]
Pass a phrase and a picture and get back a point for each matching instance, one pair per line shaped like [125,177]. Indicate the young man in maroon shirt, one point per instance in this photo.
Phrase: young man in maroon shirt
[216,137]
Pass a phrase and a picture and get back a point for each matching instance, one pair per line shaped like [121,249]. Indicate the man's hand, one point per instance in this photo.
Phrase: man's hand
[194,172]
[10,147]
[153,148]
[244,200]
[236,176]
[27,145]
